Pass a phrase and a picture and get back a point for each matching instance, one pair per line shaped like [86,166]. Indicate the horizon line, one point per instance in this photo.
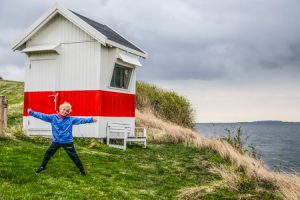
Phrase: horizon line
[247,122]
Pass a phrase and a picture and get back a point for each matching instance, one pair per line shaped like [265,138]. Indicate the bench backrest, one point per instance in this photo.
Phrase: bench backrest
[118,130]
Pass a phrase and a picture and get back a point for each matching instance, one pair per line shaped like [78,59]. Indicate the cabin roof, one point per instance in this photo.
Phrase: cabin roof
[108,32]
[102,33]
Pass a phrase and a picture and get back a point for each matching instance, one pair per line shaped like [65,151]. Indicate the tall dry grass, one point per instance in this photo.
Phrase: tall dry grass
[163,131]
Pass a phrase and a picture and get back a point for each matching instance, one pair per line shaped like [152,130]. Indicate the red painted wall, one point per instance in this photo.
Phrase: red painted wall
[84,103]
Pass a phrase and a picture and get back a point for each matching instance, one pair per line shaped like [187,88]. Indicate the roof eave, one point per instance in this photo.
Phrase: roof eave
[135,52]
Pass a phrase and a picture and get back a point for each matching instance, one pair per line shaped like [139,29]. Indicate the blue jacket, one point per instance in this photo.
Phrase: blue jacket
[61,127]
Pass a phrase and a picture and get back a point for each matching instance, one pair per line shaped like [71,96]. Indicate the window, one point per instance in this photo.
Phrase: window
[121,77]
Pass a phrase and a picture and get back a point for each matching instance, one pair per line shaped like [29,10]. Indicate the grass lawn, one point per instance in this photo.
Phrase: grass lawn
[161,171]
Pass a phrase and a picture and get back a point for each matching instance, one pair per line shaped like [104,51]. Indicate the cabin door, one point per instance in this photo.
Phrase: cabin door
[42,89]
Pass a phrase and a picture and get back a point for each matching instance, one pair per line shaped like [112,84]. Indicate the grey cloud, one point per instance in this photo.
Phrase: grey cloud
[230,38]
[191,39]
[16,14]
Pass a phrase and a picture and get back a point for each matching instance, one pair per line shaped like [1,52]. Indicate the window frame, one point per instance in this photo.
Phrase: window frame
[125,65]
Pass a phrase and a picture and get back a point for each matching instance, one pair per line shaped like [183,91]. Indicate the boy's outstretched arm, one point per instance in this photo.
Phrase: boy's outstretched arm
[77,120]
[41,116]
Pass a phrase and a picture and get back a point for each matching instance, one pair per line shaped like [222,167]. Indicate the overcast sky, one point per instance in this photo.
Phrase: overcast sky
[235,60]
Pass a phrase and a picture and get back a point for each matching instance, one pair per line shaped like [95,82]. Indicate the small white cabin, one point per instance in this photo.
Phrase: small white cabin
[72,58]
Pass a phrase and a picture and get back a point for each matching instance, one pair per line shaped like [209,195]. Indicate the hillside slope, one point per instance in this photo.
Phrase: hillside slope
[206,169]
[163,131]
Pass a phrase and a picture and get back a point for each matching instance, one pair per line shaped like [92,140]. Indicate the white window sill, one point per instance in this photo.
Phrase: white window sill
[120,89]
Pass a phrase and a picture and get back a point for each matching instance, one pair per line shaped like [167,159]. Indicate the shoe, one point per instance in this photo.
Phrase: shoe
[82,173]
[41,169]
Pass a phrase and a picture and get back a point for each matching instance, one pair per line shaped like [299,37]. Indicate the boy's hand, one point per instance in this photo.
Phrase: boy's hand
[28,110]
[94,119]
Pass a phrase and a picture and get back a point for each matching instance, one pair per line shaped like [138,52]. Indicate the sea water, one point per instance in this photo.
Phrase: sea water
[278,143]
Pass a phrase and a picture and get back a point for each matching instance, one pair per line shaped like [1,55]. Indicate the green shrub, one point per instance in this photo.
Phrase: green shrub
[166,104]
[239,141]
[236,139]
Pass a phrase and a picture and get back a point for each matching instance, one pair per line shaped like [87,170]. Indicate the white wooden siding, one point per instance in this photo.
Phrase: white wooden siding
[80,66]
[59,30]
[42,74]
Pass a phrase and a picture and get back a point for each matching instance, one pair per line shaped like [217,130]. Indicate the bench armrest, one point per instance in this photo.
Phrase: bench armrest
[142,129]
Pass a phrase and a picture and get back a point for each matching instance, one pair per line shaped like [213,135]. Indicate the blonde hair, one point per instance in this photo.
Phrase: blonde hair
[66,105]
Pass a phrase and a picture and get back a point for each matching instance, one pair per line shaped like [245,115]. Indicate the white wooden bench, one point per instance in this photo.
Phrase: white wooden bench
[123,132]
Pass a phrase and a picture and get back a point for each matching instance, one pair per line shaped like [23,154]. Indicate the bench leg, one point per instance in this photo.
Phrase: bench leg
[125,142]
[107,138]
[125,146]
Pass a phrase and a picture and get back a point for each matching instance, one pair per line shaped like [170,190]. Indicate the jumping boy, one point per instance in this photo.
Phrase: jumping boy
[61,125]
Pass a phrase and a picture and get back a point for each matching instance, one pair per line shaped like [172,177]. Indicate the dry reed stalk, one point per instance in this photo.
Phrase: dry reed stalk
[7,135]
[162,131]
[231,179]
[195,192]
